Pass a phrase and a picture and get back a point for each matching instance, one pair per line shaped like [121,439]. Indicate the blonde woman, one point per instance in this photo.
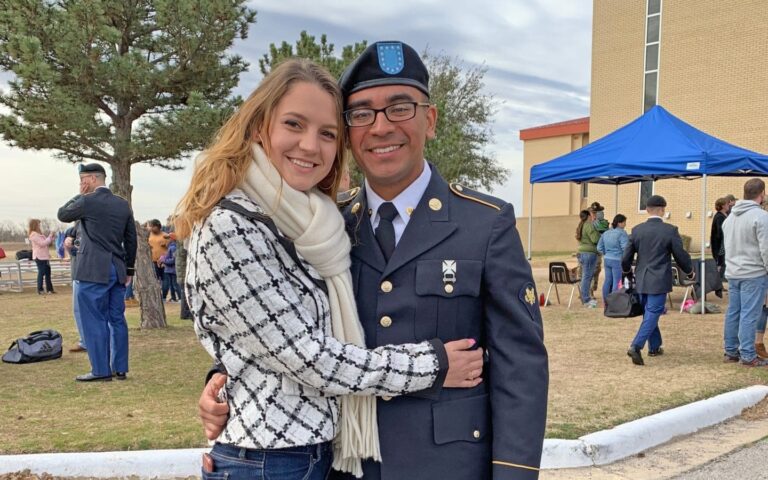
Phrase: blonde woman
[269,288]
[41,255]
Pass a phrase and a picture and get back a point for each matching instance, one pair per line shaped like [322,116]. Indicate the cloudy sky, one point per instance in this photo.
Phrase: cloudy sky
[537,53]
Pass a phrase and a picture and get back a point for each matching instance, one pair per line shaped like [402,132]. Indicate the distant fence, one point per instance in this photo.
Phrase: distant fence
[17,274]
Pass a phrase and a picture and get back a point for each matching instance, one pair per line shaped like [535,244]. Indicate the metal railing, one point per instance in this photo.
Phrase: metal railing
[16,274]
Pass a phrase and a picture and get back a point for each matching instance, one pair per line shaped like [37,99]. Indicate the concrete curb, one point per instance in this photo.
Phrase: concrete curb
[597,448]
[627,439]
[143,463]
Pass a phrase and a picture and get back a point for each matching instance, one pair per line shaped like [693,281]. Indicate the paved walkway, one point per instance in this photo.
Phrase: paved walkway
[675,458]
[745,464]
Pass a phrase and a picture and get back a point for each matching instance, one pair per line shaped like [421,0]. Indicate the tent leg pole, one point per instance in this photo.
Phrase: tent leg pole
[530,219]
[703,269]
[616,200]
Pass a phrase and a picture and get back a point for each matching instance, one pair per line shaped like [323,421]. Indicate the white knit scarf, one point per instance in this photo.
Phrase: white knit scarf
[313,222]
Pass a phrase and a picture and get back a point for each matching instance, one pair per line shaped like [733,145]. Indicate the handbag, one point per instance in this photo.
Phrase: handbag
[623,303]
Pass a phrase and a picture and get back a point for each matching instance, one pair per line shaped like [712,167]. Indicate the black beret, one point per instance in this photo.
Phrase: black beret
[596,207]
[656,201]
[91,168]
[385,63]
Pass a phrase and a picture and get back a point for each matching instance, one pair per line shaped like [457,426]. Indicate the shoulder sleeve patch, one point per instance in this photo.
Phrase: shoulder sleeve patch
[527,296]
[469,194]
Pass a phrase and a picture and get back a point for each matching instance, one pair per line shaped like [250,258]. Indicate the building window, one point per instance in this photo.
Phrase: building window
[646,190]
[652,46]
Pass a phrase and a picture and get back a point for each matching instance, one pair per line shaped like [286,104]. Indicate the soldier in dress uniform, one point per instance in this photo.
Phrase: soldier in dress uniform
[432,259]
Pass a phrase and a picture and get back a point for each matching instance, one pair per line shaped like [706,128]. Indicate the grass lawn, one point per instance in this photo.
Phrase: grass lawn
[593,383]
[45,410]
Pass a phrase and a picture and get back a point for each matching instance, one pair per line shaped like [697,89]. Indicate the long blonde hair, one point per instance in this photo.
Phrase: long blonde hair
[222,166]
[34,226]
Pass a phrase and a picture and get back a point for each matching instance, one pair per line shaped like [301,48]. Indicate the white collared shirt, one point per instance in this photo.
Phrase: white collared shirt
[405,202]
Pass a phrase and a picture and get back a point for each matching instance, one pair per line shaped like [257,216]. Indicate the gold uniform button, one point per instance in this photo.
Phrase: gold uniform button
[386,286]
[355,207]
[435,204]
[386,398]
[476,434]
[448,288]
[385,321]
[459,187]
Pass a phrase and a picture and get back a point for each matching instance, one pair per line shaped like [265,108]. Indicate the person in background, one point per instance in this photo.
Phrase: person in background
[158,245]
[181,273]
[716,242]
[601,225]
[41,255]
[746,255]
[169,270]
[654,242]
[105,263]
[71,244]
[611,245]
[587,255]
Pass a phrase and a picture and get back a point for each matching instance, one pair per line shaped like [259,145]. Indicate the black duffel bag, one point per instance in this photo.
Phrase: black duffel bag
[36,347]
[624,302]
[24,255]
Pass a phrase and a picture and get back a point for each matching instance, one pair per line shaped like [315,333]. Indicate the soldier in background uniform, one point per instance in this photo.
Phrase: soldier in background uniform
[105,262]
[430,260]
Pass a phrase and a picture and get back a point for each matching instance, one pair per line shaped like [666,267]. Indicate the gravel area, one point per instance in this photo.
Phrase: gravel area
[745,464]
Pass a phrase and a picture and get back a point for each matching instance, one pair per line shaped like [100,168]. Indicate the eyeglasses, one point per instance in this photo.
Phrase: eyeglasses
[397,112]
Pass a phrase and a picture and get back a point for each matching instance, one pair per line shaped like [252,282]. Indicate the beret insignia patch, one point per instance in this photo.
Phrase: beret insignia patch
[391,58]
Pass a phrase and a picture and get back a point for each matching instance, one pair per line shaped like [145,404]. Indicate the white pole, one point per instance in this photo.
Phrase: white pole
[703,237]
[530,218]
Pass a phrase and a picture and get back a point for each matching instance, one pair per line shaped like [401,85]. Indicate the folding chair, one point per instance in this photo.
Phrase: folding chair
[680,280]
[560,274]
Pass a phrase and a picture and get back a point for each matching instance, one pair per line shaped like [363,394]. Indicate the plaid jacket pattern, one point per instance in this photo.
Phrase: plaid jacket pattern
[268,323]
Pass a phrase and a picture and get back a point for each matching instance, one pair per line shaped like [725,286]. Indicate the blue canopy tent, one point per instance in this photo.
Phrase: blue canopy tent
[656,145]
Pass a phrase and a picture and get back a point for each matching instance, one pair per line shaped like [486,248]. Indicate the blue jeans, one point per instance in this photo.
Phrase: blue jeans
[44,272]
[310,462]
[649,327]
[76,313]
[129,291]
[102,313]
[588,262]
[745,309]
[169,284]
[612,276]
[763,320]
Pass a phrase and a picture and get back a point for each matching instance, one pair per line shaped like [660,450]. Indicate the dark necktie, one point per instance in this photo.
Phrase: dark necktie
[385,232]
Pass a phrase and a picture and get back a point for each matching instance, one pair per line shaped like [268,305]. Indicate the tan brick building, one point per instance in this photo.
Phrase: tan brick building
[705,61]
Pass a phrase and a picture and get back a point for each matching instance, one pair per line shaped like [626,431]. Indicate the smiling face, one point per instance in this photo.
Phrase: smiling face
[391,154]
[302,136]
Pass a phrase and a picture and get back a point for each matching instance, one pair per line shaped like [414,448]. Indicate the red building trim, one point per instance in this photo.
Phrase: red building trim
[569,127]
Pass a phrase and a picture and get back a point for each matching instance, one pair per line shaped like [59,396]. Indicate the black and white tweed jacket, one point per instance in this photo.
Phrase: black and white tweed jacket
[260,315]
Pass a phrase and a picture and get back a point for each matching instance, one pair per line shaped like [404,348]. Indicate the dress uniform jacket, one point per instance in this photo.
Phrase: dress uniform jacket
[458,272]
[107,235]
[653,242]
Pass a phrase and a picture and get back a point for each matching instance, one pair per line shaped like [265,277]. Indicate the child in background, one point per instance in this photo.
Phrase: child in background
[168,262]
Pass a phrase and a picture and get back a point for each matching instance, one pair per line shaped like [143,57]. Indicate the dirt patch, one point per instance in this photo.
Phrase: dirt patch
[757,411]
